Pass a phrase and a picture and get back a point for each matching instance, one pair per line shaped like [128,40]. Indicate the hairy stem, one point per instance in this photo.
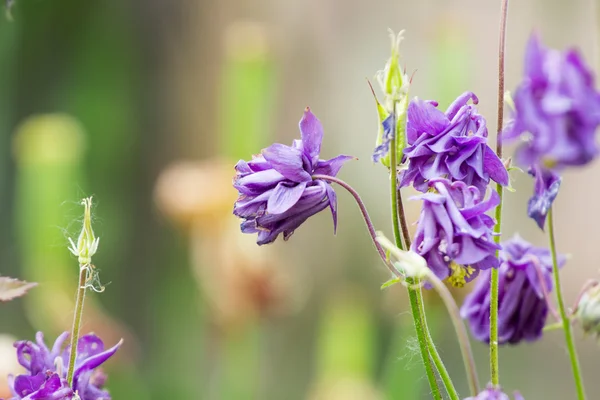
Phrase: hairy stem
[494,368]
[83,271]
[414,295]
[566,323]
[461,332]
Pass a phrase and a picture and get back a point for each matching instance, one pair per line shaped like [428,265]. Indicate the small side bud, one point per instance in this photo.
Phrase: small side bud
[588,310]
[409,263]
[87,243]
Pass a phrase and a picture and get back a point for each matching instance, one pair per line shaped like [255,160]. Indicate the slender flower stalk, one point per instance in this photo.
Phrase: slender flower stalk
[495,376]
[366,217]
[566,322]
[86,247]
[415,268]
[417,307]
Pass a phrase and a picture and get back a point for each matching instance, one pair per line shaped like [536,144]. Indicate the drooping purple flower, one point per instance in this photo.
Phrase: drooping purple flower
[450,145]
[525,275]
[454,234]
[545,190]
[557,109]
[47,369]
[277,192]
[494,393]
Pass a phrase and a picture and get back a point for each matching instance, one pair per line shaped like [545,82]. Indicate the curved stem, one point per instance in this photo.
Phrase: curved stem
[402,217]
[563,311]
[366,217]
[494,368]
[83,270]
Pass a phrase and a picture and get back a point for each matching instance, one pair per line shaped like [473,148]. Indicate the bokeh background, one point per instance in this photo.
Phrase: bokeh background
[147,105]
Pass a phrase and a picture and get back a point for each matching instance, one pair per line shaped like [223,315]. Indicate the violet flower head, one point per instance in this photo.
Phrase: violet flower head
[47,369]
[547,183]
[525,279]
[494,393]
[450,145]
[557,109]
[277,192]
[454,235]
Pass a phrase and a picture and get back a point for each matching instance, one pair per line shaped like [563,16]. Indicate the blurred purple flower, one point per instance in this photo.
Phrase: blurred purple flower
[546,186]
[494,393]
[47,369]
[451,145]
[454,234]
[277,192]
[522,306]
[557,109]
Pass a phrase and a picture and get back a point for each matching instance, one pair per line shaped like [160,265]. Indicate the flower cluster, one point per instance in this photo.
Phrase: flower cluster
[47,369]
[556,114]
[557,109]
[525,276]
[454,234]
[277,190]
[450,145]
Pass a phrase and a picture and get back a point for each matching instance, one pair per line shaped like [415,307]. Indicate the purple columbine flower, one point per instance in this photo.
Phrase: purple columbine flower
[494,393]
[525,278]
[545,190]
[450,145]
[557,109]
[454,234]
[277,192]
[47,369]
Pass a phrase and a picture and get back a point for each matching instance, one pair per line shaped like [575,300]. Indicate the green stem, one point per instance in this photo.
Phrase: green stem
[494,370]
[413,294]
[566,323]
[77,321]
[444,375]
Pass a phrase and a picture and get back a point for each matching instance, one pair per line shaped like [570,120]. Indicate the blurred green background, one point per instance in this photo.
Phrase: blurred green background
[147,105]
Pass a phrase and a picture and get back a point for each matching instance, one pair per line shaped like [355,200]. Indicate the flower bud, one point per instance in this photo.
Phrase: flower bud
[392,114]
[588,310]
[87,243]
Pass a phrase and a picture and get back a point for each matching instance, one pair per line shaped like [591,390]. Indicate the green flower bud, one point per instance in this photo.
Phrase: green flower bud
[87,243]
[392,113]
[588,310]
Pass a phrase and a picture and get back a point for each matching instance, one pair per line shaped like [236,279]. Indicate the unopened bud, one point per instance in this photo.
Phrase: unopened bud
[87,243]
[588,310]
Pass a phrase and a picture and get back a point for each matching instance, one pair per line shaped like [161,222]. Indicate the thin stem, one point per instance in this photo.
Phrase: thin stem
[494,368]
[394,192]
[437,360]
[414,295]
[366,217]
[461,332]
[563,311]
[402,217]
[83,275]
[426,346]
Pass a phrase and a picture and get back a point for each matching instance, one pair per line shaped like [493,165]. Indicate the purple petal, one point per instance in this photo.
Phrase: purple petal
[284,197]
[258,182]
[331,167]
[494,167]
[460,102]
[424,117]
[94,361]
[25,385]
[311,132]
[287,161]
[332,205]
